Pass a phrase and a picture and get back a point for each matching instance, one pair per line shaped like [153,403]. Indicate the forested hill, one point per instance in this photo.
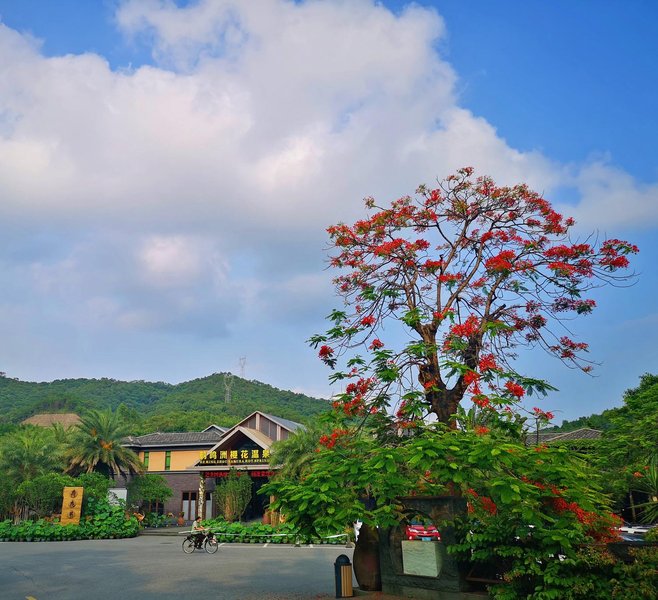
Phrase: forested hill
[596,421]
[188,406]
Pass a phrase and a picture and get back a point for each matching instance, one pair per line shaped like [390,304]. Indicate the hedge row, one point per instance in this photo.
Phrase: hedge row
[256,533]
[105,523]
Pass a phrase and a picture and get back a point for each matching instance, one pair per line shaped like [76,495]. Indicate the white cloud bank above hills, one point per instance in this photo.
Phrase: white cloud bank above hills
[192,196]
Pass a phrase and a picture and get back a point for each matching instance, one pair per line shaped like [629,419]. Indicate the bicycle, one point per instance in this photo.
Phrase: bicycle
[209,543]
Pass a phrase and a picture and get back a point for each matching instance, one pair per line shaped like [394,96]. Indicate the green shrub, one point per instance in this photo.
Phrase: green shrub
[43,495]
[103,521]
[254,533]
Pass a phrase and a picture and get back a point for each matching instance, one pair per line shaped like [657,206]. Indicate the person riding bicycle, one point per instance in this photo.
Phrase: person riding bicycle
[200,532]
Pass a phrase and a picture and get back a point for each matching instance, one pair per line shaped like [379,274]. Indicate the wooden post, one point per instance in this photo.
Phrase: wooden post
[201,501]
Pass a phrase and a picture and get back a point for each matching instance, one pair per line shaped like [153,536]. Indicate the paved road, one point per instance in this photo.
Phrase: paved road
[155,568]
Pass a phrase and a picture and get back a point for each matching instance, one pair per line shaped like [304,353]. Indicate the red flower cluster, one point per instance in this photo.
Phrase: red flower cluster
[368,321]
[325,352]
[376,344]
[500,262]
[486,503]
[542,414]
[386,248]
[433,265]
[330,440]
[481,400]
[515,389]
[481,430]
[467,328]
[450,277]
[488,363]
[568,348]
[614,252]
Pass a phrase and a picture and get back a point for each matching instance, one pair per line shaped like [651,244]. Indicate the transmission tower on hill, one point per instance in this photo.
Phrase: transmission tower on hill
[243,362]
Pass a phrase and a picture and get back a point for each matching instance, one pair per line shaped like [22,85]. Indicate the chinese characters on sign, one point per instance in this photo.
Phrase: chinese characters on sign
[239,456]
[71,506]
[216,474]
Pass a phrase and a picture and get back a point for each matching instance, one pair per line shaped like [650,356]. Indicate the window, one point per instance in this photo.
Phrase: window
[154,507]
[146,459]
[188,506]
[168,460]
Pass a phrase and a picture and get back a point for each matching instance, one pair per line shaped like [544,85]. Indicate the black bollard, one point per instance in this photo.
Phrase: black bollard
[343,573]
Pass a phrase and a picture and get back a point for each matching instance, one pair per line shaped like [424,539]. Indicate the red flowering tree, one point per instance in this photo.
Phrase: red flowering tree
[472,271]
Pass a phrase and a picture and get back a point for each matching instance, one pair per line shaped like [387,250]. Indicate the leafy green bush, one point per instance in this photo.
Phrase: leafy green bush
[43,494]
[638,579]
[148,489]
[103,521]
[258,533]
[155,520]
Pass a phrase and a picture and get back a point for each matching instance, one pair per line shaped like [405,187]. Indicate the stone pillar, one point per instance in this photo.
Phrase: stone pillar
[448,582]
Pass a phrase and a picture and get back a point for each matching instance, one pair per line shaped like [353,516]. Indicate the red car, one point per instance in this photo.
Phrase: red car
[425,533]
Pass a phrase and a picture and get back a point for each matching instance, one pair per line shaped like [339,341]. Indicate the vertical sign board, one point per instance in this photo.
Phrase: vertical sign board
[71,506]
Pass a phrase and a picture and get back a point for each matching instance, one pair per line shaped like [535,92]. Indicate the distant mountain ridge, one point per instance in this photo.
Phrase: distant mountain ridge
[167,407]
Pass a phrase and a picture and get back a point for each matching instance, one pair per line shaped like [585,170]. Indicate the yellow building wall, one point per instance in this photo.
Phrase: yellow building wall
[183,459]
[180,459]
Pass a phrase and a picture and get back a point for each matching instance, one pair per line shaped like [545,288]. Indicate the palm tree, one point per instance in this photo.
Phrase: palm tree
[648,483]
[292,457]
[96,446]
[25,454]
[30,452]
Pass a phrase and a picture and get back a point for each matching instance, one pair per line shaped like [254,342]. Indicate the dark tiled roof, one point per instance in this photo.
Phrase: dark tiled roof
[187,438]
[550,437]
[290,425]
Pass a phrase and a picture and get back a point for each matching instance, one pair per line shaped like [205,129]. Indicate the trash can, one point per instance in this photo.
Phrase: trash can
[343,573]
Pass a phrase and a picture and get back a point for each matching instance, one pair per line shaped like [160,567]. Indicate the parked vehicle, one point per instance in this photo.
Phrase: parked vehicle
[634,532]
[422,532]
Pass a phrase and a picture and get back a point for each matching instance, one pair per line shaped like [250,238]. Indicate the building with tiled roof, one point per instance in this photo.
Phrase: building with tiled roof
[192,462]
[578,437]
[210,435]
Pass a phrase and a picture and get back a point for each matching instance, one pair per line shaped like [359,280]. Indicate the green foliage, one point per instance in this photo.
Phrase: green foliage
[96,486]
[647,482]
[148,488]
[232,495]
[595,421]
[30,451]
[42,495]
[155,520]
[284,533]
[147,407]
[96,446]
[636,579]
[531,510]
[102,522]
[626,447]
[291,457]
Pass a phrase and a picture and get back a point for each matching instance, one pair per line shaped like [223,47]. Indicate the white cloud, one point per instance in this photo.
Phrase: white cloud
[208,179]
[170,260]
[611,199]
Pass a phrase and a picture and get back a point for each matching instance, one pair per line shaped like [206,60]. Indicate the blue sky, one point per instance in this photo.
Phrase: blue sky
[167,170]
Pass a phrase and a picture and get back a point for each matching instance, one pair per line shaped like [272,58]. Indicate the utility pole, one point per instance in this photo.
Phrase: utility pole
[228,384]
